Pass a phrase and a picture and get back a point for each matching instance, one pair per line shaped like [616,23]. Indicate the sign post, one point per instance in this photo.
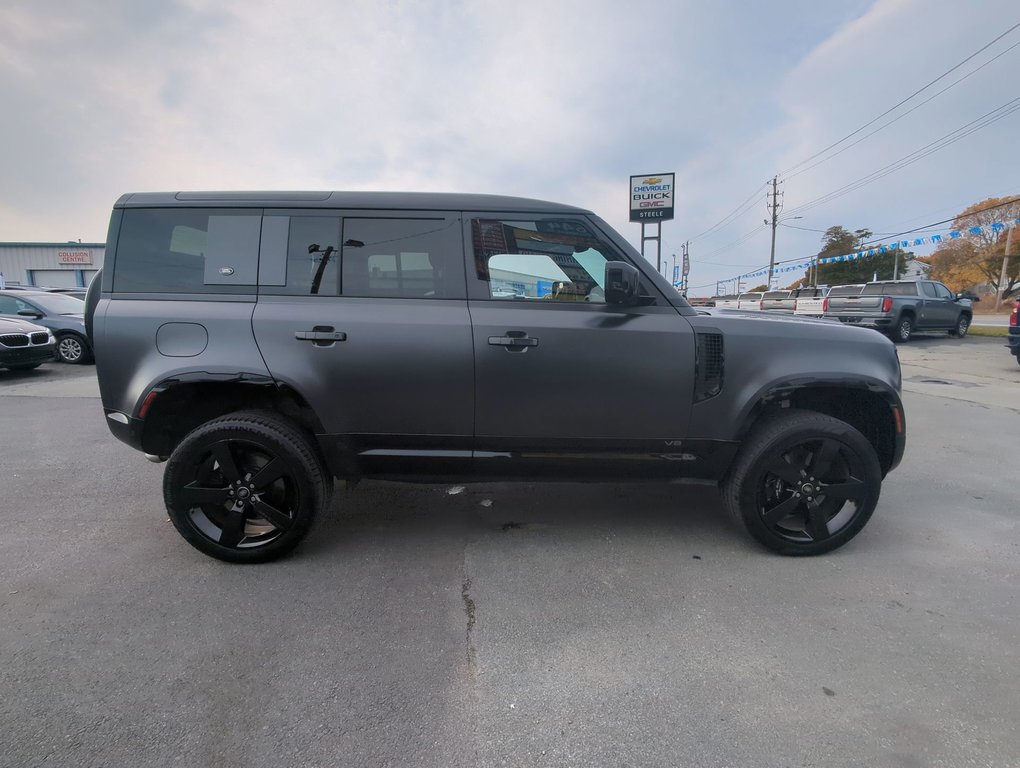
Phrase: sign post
[651,202]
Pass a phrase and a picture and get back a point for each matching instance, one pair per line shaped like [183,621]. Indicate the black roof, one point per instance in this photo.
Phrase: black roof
[411,201]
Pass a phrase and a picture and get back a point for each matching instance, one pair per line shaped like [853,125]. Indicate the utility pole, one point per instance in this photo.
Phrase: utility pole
[775,223]
[1005,267]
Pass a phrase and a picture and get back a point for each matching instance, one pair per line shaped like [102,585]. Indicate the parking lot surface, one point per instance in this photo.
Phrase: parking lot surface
[491,625]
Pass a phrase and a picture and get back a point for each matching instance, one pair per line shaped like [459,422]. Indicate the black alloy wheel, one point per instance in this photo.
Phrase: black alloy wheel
[73,349]
[804,483]
[245,487]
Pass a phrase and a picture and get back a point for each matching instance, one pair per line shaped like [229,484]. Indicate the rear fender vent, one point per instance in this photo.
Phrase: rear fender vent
[710,365]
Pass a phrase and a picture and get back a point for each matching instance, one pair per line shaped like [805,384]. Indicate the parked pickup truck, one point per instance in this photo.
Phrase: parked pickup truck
[898,308]
[811,303]
[745,301]
[807,302]
[778,301]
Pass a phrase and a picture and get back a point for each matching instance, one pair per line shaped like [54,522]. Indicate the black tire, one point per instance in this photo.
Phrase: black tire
[777,486]
[72,348]
[24,366]
[903,330]
[245,487]
[961,327]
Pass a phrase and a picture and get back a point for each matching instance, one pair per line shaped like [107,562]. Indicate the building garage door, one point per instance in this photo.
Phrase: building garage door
[55,278]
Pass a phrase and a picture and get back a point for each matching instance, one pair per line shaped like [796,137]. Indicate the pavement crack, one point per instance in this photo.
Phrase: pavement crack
[469,611]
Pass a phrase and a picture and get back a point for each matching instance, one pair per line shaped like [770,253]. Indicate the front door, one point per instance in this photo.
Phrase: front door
[565,383]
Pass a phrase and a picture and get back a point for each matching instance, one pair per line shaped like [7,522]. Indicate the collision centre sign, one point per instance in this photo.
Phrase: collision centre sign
[651,197]
[75,257]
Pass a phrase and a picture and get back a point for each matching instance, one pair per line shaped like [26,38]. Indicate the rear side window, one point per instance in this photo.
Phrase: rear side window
[890,289]
[180,250]
[405,258]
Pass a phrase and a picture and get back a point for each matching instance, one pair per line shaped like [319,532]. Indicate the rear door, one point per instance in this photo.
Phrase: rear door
[564,382]
[364,314]
[940,306]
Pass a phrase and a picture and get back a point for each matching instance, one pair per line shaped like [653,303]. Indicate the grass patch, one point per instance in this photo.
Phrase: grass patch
[983,331]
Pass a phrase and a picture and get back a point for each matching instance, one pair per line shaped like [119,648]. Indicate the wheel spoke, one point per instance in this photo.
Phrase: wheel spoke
[821,462]
[852,489]
[195,495]
[817,526]
[777,513]
[232,531]
[273,515]
[270,473]
[225,458]
[785,471]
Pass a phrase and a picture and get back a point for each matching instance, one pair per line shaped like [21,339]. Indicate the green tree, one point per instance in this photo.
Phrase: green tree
[839,241]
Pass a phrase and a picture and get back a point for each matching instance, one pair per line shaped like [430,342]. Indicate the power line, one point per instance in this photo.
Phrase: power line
[900,117]
[901,103]
[732,215]
[950,138]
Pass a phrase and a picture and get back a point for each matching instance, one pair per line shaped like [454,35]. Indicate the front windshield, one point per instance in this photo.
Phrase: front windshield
[57,303]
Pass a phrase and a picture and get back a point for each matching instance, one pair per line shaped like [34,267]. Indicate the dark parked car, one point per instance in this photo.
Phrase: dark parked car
[1014,331]
[268,342]
[64,315]
[24,345]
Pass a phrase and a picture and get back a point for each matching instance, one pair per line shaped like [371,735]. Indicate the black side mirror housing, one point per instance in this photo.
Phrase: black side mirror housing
[30,313]
[622,283]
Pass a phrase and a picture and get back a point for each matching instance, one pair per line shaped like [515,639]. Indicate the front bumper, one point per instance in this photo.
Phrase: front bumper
[40,353]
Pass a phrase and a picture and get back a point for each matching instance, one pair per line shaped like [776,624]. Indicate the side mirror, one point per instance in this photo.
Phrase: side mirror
[622,283]
[30,313]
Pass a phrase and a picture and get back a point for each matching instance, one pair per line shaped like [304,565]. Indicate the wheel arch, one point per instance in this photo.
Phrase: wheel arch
[174,407]
[872,410]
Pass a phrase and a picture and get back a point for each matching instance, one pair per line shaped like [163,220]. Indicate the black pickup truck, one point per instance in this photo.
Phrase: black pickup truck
[900,307]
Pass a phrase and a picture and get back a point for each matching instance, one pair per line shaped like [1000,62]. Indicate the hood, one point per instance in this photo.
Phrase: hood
[19,326]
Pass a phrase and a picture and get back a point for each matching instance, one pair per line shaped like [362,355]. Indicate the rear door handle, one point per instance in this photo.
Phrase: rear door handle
[321,335]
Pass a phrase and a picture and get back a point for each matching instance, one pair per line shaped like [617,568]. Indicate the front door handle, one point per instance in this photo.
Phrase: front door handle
[514,341]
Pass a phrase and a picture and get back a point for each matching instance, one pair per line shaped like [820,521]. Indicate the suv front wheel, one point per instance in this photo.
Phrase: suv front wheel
[804,483]
[245,487]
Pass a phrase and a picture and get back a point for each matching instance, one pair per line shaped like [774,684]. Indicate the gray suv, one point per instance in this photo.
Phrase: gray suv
[267,343]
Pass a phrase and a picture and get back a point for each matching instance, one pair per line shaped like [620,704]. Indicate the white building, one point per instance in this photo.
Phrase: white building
[50,265]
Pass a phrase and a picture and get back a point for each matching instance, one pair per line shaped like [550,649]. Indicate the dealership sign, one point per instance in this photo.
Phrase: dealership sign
[75,257]
[651,197]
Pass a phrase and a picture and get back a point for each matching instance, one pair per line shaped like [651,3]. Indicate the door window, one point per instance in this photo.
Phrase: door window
[929,290]
[405,258]
[551,260]
[942,292]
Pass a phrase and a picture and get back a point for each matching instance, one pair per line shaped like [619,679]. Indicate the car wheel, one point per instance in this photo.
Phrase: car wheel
[245,487]
[803,483]
[72,348]
[904,328]
[961,328]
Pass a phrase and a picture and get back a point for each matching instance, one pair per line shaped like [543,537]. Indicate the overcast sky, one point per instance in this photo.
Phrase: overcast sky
[557,100]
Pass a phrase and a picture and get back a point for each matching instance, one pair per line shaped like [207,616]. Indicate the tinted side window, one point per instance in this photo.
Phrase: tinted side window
[313,253]
[181,250]
[407,258]
[551,259]
[942,292]
[929,290]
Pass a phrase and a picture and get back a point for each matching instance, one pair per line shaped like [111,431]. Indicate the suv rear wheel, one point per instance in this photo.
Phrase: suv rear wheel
[804,483]
[245,487]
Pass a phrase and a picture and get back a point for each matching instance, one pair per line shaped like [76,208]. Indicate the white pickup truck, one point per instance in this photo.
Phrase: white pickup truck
[811,301]
[745,301]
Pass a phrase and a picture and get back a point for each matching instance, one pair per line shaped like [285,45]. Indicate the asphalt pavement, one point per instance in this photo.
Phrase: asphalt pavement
[514,625]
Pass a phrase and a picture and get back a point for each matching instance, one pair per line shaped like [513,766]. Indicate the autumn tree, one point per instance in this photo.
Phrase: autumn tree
[839,241]
[976,257]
